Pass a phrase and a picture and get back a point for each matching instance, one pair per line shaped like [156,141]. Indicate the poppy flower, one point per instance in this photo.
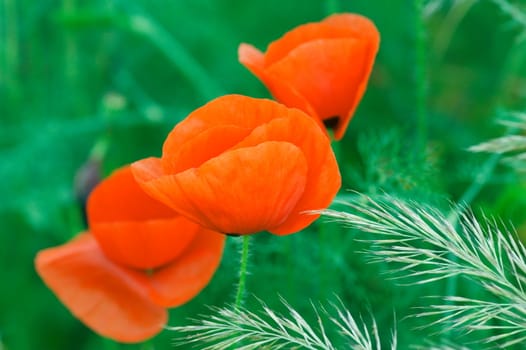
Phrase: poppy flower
[241,165]
[321,68]
[139,258]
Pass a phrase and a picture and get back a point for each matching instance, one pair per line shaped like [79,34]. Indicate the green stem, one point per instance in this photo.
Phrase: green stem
[148,107]
[448,27]
[11,46]
[100,148]
[420,72]
[147,345]
[241,286]
[109,344]
[177,54]
[474,189]
[332,6]
[463,203]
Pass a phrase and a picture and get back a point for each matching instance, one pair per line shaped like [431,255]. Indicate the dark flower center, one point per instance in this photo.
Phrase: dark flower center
[232,234]
[331,122]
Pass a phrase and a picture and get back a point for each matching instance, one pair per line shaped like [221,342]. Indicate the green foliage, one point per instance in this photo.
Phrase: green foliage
[74,72]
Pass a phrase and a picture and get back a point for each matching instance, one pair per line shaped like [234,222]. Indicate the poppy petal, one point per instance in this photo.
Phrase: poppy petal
[323,178]
[108,298]
[251,58]
[230,110]
[120,198]
[331,92]
[347,25]
[131,227]
[358,27]
[280,89]
[280,48]
[186,276]
[145,245]
[223,193]
[203,146]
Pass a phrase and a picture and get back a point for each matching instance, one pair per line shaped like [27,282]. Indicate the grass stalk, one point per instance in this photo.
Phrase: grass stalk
[72,63]
[3,46]
[11,53]
[177,54]
[448,27]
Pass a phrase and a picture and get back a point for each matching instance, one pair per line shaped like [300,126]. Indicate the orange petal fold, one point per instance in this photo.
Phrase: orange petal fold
[280,89]
[343,25]
[132,228]
[231,114]
[205,145]
[336,92]
[120,198]
[242,191]
[108,298]
[323,178]
[145,245]
[182,279]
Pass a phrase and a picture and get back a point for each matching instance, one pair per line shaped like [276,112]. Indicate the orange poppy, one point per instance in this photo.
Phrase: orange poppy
[241,165]
[321,68]
[140,258]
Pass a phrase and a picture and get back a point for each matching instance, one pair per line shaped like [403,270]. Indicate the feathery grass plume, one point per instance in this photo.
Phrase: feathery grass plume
[430,248]
[241,329]
[514,144]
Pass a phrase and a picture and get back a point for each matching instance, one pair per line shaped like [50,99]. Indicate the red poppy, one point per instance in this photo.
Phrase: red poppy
[241,165]
[321,68]
[140,258]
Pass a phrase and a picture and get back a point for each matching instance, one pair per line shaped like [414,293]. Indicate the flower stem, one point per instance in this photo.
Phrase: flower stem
[240,295]
[109,344]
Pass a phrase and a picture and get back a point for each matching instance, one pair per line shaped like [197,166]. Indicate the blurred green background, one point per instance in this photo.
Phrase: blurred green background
[73,72]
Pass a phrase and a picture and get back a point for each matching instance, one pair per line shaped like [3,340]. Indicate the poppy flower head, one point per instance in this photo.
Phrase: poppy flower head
[241,165]
[321,68]
[141,258]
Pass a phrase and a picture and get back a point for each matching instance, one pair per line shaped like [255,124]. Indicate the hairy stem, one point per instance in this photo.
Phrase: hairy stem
[240,295]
